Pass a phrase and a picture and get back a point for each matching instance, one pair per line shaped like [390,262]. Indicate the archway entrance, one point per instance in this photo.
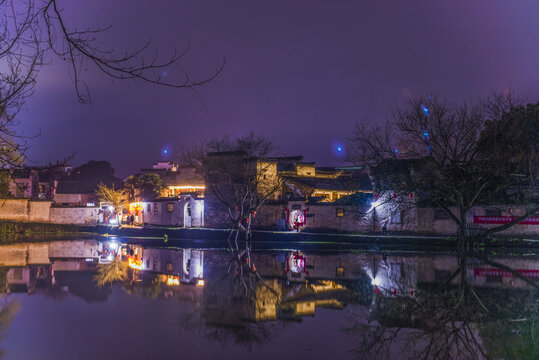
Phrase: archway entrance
[187,218]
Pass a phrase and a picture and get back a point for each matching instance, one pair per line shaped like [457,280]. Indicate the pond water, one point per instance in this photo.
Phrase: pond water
[196,303]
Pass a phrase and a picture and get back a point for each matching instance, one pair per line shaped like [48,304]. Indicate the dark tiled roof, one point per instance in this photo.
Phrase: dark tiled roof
[358,199]
[227,153]
[298,158]
[346,183]
[315,199]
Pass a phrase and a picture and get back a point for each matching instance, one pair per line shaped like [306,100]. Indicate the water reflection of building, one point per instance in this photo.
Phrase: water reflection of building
[25,279]
[62,267]
[287,292]
[187,264]
[401,275]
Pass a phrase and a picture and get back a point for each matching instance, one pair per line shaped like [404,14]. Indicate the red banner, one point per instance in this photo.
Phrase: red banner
[500,220]
[530,274]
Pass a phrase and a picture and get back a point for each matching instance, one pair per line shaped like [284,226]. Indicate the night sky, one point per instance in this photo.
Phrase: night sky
[301,72]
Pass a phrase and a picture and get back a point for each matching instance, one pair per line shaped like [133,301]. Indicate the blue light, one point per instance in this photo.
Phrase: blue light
[396,151]
[165,151]
[339,149]
[425,110]
[425,134]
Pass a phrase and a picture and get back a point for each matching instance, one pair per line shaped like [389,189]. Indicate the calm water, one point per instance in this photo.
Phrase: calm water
[201,304]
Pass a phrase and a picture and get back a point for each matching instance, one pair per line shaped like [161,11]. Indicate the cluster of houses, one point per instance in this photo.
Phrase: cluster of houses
[306,197]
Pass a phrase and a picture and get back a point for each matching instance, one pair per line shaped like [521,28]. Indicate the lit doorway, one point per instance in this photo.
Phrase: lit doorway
[187,218]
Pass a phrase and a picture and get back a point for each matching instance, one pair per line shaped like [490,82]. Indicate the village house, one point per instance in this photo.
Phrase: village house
[280,180]
[186,264]
[185,210]
[305,179]
[181,202]
[176,179]
[37,182]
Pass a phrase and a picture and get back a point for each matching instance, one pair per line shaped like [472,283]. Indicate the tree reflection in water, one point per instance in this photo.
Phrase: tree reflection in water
[232,305]
[230,314]
[421,306]
[454,318]
[115,271]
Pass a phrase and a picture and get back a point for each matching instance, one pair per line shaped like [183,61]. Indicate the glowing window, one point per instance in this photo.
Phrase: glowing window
[340,271]
[339,212]
[170,207]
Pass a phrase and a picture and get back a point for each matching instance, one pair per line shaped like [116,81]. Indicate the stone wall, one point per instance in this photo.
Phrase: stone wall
[14,209]
[29,210]
[427,223]
[414,220]
[74,215]
[325,217]
[39,211]
[215,213]
[24,210]
[268,215]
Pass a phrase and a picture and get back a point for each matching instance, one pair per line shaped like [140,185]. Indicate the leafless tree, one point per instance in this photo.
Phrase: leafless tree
[239,181]
[228,312]
[34,32]
[433,152]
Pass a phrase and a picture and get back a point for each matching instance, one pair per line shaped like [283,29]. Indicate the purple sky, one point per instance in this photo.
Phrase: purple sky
[299,71]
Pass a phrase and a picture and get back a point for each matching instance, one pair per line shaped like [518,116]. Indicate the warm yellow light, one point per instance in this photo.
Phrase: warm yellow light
[135,206]
[200,282]
[135,264]
[173,281]
[182,187]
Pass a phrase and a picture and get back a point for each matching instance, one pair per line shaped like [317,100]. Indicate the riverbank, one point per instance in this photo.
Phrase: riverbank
[11,231]
[14,231]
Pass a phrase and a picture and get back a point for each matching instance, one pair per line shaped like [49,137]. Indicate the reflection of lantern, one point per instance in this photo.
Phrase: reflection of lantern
[296,263]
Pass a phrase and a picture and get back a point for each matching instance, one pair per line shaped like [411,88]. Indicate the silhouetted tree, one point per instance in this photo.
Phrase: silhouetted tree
[239,180]
[440,153]
[34,31]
